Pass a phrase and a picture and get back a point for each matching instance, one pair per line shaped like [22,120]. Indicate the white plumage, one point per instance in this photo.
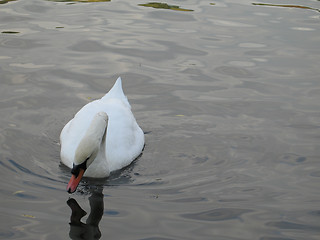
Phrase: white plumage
[118,144]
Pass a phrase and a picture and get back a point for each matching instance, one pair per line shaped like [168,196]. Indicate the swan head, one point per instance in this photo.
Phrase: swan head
[88,149]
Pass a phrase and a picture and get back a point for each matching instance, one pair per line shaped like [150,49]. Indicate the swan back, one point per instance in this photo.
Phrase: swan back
[117,92]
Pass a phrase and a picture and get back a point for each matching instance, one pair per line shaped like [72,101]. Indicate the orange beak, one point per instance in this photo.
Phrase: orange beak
[74,181]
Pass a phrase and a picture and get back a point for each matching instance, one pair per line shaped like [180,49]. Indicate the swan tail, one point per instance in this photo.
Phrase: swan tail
[116,92]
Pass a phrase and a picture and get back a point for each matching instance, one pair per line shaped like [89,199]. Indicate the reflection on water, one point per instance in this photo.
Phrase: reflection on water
[164,6]
[286,6]
[6,1]
[229,94]
[89,230]
[83,1]
[10,32]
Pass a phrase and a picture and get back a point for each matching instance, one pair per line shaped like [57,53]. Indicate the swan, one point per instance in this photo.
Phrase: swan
[102,137]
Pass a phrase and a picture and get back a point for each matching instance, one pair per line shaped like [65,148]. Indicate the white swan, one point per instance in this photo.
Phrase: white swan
[102,137]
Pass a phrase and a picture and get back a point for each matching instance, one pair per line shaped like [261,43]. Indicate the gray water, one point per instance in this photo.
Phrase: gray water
[227,93]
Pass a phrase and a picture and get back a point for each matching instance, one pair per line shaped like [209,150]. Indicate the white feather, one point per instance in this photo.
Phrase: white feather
[124,139]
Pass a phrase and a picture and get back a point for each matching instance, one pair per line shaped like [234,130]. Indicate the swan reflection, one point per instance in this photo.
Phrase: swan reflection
[89,230]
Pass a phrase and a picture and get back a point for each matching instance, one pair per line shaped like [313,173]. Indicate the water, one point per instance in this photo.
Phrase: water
[227,92]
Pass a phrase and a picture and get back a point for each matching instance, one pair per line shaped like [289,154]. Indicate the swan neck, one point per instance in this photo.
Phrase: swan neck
[90,144]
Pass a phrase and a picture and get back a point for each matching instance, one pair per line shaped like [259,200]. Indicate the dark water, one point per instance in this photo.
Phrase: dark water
[228,93]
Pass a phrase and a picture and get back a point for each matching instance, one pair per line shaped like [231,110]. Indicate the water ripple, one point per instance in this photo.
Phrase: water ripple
[220,214]
[292,225]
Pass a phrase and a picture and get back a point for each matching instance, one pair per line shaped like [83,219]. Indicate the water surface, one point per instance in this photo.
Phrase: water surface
[227,92]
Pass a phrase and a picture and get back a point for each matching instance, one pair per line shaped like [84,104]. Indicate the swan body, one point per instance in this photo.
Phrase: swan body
[102,137]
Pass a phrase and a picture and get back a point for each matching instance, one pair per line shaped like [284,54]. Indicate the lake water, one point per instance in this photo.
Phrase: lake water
[227,93]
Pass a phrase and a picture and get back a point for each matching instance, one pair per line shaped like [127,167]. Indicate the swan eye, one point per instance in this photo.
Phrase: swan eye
[76,168]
